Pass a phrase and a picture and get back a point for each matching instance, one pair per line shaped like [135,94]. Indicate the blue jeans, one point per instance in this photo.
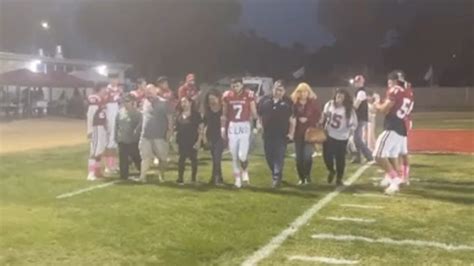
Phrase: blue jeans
[361,146]
[275,149]
[304,159]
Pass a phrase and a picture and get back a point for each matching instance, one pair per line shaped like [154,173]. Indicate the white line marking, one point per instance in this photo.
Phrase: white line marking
[276,241]
[324,260]
[385,240]
[80,191]
[380,178]
[371,195]
[357,220]
[362,206]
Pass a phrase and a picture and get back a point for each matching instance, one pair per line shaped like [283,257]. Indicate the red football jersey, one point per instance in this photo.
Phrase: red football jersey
[113,94]
[99,117]
[238,105]
[409,94]
[397,115]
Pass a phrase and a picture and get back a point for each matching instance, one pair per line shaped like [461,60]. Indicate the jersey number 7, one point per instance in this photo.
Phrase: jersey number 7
[238,108]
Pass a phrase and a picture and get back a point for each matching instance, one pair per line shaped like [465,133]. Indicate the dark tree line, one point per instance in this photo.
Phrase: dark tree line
[174,37]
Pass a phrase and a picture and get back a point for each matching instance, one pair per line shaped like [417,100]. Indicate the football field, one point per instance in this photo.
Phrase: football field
[50,215]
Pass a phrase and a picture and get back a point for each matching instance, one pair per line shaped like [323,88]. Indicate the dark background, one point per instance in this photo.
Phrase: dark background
[333,39]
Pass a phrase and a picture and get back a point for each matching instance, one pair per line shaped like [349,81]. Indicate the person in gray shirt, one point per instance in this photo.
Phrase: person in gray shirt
[157,127]
[127,134]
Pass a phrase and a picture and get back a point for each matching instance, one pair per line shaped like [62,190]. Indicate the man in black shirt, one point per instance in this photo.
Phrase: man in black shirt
[275,113]
[362,111]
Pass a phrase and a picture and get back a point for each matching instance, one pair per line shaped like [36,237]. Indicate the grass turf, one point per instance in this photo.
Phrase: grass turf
[202,225]
[130,224]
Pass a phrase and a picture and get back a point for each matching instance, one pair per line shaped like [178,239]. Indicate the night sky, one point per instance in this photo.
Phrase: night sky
[285,22]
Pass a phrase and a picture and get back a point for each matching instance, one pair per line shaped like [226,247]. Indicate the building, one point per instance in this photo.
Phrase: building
[51,79]
[38,63]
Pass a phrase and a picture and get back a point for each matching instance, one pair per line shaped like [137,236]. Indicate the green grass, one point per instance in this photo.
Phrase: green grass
[438,208]
[164,224]
[130,224]
[443,120]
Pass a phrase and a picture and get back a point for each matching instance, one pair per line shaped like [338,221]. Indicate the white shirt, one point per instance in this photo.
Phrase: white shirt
[337,125]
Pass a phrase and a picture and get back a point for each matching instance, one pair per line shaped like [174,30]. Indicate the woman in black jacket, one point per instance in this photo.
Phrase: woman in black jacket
[188,137]
[212,136]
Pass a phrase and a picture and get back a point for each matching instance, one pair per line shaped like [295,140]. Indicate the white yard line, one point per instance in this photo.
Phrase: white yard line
[371,195]
[326,260]
[80,191]
[276,241]
[384,240]
[350,219]
[362,206]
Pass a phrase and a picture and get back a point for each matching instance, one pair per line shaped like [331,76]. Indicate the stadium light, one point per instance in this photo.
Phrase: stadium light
[33,65]
[102,70]
[45,25]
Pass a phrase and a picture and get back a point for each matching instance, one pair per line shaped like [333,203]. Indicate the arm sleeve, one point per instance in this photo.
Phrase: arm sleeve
[312,113]
[90,117]
[353,120]
[361,96]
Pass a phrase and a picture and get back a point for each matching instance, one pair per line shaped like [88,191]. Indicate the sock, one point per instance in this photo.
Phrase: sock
[237,175]
[97,170]
[393,174]
[110,161]
[144,168]
[406,171]
[91,165]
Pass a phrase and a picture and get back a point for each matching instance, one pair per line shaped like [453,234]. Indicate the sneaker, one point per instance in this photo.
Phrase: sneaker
[394,186]
[275,184]
[301,182]
[356,161]
[139,179]
[245,177]
[331,176]
[385,181]
[91,177]
[160,178]
[238,182]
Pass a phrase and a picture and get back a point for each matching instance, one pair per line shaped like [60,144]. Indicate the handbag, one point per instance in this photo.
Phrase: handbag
[315,135]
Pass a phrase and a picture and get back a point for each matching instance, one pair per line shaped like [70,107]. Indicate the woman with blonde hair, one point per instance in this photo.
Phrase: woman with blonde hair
[307,113]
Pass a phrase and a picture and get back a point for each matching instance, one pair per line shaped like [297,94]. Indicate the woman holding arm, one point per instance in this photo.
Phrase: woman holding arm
[212,133]
[340,121]
[188,137]
[307,113]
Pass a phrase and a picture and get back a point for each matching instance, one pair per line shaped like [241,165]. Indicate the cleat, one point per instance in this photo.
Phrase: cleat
[91,177]
[238,182]
[245,177]
[339,183]
[385,181]
[394,186]
[301,182]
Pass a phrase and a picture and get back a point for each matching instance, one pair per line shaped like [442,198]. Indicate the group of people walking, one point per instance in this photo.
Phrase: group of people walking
[150,115]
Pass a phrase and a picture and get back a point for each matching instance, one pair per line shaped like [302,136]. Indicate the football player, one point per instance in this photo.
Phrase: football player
[96,129]
[238,109]
[391,142]
[114,92]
